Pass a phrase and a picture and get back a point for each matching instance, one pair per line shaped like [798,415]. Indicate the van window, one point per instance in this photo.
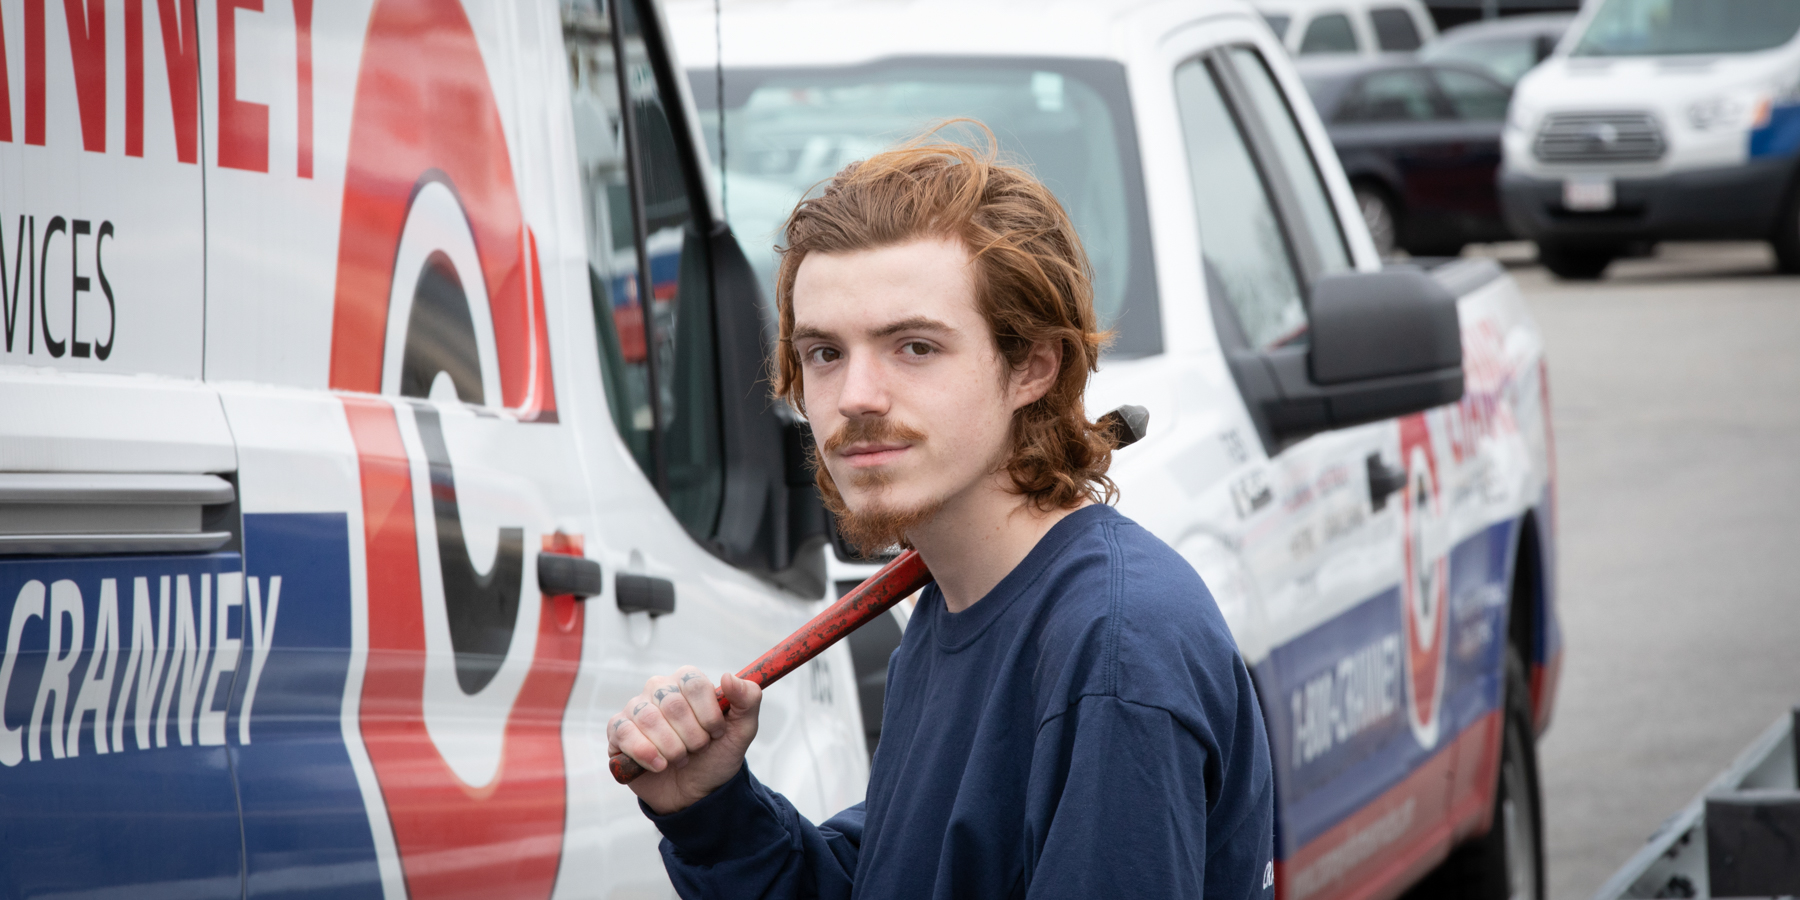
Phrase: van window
[1278,23]
[1474,98]
[1401,95]
[1329,33]
[1659,27]
[656,343]
[1241,239]
[1322,231]
[1394,28]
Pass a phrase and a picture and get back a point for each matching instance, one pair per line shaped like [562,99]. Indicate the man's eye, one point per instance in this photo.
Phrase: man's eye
[823,355]
[916,348]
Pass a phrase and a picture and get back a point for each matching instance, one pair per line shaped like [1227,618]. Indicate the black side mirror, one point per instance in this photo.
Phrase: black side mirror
[771,522]
[1380,345]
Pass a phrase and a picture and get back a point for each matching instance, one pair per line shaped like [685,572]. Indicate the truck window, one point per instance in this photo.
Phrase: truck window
[1394,29]
[1241,239]
[1329,33]
[1323,234]
[656,343]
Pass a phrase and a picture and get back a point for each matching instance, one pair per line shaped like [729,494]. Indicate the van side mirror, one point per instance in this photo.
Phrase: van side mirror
[1380,345]
[771,521]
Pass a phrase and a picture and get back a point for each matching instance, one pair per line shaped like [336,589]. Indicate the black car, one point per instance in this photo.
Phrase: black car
[1421,145]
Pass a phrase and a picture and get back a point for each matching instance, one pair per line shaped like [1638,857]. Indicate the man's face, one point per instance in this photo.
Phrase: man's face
[907,393]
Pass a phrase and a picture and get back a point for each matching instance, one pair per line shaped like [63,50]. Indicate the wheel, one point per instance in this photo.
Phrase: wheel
[1576,263]
[1381,215]
[1787,235]
[1508,862]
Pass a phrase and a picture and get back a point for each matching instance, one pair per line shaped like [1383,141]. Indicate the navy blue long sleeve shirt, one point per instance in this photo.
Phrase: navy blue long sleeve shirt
[1085,729]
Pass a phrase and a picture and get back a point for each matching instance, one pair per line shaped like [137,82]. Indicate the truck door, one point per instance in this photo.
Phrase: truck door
[650,411]
[381,332]
[1324,550]
[121,581]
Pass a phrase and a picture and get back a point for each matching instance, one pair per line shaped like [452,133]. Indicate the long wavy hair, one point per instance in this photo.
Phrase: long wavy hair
[1033,285]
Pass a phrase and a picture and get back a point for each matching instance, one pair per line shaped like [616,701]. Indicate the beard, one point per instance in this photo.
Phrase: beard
[877,526]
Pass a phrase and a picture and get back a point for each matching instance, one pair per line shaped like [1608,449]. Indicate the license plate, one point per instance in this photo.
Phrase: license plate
[1588,193]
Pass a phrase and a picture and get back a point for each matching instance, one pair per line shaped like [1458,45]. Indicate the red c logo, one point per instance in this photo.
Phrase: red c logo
[425,115]
[1425,591]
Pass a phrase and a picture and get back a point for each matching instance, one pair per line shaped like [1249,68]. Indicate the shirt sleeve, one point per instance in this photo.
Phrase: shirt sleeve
[1129,817]
[746,841]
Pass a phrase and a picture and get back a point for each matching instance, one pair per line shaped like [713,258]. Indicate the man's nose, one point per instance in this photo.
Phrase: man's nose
[865,387]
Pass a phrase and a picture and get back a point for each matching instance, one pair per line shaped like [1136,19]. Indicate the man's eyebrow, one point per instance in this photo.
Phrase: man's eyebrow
[914,323]
[809,333]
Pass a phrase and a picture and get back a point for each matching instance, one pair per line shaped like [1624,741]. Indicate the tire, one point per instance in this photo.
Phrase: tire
[1382,216]
[1576,263]
[1507,863]
[1787,235]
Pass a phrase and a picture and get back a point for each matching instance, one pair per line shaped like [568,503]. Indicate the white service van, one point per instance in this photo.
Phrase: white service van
[1659,120]
[1375,523]
[379,407]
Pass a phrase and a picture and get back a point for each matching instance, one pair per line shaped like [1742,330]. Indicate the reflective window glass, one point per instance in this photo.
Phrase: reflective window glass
[1473,97]
[1394,29]
[1326,238]
[1241,239]
[1329,33]
[655,342]
[1402,95]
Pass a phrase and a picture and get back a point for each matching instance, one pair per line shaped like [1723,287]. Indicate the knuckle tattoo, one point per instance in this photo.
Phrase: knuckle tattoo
[642,705]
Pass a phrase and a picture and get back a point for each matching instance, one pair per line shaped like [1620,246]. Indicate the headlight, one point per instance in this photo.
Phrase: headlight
[1734,110]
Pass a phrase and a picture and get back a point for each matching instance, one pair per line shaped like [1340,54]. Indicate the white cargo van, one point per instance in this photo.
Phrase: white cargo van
[1659,120]
[379,407]
[1375,523]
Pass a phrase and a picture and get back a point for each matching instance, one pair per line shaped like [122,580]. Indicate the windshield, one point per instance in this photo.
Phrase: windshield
[789,130]
[1668,27]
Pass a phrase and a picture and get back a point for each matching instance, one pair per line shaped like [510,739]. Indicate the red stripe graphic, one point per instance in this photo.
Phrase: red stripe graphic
[505,838]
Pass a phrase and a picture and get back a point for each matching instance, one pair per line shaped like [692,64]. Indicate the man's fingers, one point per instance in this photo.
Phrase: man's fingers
[698,689]
[679,714]
[651,723]
[745,696]
[623,736]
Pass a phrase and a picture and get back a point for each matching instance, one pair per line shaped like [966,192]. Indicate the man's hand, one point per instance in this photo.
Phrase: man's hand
[688,748]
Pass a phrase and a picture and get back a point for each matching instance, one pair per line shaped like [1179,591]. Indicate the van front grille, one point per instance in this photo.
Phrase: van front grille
[1599,137]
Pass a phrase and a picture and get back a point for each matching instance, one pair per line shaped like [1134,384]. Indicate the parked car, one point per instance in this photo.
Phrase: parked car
[1348,27]
[1420,143]
[1383,557]
[1659,120]
[1506,48]
[363,485]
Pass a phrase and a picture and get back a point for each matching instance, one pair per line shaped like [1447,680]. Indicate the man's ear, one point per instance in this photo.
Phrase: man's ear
[1033,380]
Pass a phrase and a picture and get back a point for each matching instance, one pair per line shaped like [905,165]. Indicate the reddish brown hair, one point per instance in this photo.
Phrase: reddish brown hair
[1032,284]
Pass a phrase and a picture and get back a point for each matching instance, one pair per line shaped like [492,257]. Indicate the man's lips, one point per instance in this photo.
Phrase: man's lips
[866,455]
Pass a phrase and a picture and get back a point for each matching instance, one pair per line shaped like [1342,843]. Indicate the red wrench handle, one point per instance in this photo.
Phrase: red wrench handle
[896,581]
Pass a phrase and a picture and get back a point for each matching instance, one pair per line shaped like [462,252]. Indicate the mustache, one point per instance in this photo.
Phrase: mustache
[871,430]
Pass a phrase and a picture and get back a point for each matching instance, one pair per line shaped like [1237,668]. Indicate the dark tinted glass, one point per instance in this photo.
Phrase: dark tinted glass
[1396,96]
[1329,33]
[1394,28]
[656,345]
[1473,97]
[1278,23]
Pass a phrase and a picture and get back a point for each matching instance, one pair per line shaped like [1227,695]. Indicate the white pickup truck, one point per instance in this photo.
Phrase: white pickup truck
[1379,533]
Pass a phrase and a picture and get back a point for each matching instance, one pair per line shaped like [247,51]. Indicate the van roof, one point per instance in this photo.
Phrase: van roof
[785,33]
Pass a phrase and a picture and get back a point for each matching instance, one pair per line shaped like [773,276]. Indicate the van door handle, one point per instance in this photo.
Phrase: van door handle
[1383,480]
[566,573]
[642,593]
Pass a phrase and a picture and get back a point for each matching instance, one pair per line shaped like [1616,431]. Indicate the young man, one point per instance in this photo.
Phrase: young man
[1067,714]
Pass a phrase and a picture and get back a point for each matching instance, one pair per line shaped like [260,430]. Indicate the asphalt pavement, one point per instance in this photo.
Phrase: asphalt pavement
[1676,399]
